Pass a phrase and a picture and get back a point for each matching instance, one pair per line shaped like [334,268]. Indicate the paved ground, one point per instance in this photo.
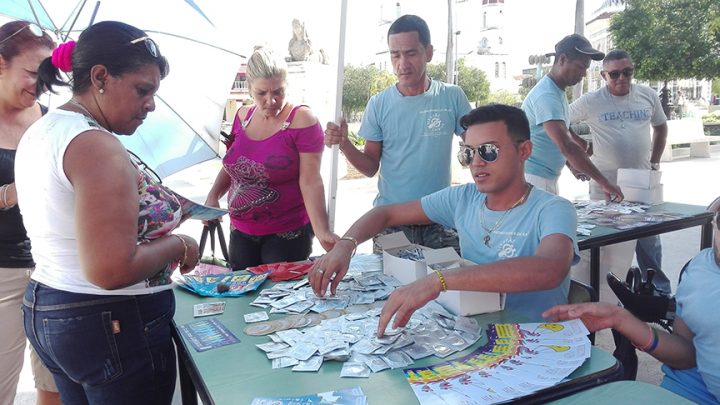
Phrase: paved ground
[686,180]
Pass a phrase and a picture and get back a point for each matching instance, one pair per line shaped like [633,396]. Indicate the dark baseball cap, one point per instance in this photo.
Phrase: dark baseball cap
[577,44]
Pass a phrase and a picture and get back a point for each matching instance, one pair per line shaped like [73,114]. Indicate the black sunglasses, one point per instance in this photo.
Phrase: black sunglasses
[33,28]
[150,45]
[488,152]
[627,72]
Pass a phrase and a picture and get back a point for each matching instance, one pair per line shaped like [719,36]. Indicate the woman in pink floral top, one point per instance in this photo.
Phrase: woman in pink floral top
[271,174]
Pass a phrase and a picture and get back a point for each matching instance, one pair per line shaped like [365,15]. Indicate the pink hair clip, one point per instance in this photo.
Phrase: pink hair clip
[62,56]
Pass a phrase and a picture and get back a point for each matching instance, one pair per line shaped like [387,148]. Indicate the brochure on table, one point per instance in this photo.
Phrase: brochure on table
[518,359]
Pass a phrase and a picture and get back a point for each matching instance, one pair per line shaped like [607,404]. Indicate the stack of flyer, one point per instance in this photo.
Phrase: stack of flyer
[518,360]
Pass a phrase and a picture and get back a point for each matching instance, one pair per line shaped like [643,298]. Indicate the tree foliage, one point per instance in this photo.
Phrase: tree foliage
[472,80]
[363,82]
[670,39]
[356,88]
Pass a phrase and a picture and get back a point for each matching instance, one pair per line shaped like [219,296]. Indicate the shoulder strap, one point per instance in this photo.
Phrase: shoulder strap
[248,116]
[290,116]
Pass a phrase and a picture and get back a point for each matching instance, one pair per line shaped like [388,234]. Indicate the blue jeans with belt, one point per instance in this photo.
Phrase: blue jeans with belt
[104,349]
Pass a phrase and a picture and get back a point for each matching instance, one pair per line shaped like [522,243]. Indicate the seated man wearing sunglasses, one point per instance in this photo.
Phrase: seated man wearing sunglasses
[522,238]
[621,115]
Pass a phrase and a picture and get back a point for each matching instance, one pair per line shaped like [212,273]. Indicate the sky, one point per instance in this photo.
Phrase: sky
[536,24]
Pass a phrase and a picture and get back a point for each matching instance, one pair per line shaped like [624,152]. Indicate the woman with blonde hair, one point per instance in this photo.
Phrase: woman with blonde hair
[271,173]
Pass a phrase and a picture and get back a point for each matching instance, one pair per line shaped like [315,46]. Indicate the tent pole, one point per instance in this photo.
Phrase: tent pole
[332,199]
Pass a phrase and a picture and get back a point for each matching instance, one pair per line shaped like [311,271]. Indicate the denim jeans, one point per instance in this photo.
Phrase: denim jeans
[104,349]
[434,236]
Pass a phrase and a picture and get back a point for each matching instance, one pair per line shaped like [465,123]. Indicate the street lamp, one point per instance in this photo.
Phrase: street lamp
[456,73]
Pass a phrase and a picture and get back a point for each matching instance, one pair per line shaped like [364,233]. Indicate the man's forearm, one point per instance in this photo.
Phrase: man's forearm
[362,162]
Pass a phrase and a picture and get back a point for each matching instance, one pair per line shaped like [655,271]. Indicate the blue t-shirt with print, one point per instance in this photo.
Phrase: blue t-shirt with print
[518,234]
[416,134]
[545,102]
[697,295]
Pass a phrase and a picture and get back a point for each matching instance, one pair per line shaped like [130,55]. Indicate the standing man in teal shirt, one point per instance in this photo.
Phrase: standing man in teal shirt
[546,107]
[409,129]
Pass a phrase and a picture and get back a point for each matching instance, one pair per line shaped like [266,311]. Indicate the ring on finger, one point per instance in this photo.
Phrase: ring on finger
[319,271]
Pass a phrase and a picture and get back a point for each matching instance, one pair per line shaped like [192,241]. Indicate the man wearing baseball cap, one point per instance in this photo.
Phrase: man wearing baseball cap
[546,107]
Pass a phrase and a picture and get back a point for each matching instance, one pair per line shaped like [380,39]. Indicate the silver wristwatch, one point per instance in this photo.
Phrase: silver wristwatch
[655,166]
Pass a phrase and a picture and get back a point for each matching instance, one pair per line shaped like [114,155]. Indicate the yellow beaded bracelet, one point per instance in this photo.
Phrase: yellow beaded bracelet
[443,286]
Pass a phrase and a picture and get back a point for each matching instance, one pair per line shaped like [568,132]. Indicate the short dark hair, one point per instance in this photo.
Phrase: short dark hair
[514,118]
[617,54]
[410,23]
[106,43]
[22,40]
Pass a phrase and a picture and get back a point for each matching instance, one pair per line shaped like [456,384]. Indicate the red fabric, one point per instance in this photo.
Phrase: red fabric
[282,271]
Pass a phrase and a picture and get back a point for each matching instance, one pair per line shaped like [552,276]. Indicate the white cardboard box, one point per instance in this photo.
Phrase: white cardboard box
[462,303]
[644,195]
[405,270]
[638,178]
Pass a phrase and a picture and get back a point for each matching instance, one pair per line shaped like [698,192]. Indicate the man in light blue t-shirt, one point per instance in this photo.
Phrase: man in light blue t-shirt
[522,238]
[690,354]
[409,129]
[546,108]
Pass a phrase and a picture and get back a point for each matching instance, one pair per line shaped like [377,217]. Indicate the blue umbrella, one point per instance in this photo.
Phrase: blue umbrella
[184,130]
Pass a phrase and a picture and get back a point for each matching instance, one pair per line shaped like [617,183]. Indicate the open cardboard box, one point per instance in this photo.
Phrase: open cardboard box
[462,303]
[405,270]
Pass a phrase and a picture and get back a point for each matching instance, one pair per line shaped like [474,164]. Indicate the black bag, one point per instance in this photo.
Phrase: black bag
[645,295]
[210,230]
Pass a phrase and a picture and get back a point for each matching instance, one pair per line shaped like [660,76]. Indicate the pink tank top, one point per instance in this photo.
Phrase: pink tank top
[264,195]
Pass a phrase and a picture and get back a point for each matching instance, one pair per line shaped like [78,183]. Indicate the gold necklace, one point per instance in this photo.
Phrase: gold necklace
[86,113]
[497,223]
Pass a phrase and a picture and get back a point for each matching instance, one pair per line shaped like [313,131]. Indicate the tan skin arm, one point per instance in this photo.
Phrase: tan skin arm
[659,140]
[106,206]
[10,195]
[222,181]
[311,184]
[313,192]
[552,260]
[336,261]
[366,162]
[554,256]
[219,189]
[578,159]
[675,350]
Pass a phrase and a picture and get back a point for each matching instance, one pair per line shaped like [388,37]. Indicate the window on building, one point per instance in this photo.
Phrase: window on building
[497,70]
[500,40]
[484,19]
[504,71]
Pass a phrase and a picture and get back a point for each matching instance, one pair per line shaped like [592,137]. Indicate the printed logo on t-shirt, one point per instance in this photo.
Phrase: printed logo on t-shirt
[506,249]
[629,115]
[436,122]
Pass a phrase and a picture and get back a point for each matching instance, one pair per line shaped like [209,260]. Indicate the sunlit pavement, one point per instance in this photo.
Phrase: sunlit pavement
[686,180]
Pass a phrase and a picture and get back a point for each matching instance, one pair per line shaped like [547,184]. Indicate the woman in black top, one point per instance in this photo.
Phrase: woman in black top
[22,47]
